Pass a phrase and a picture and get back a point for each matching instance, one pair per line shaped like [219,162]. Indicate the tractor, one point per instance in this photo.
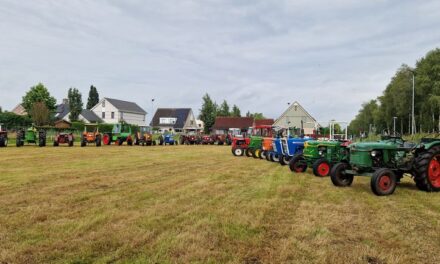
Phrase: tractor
[232,132]
[31,136]
[291,144]
[63,138]
[207,140]
[121,133]
[220,137]
[144,137]
[3,137]
[190,139]
[386,162]
[240,142]
[167,139]
[321,155]
[91,135]
[255,146]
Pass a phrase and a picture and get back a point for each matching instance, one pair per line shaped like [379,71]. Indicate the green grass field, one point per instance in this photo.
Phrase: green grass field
[199,204]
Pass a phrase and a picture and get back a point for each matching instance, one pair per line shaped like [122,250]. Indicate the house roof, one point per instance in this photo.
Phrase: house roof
[262,122]
[90,116]
[181,115]
[62,110]
[233,122]
[295,104]
[19,110]
[126,106]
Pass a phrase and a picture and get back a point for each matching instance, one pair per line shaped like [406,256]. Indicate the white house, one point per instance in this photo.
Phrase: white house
[112,111]
[297,116]
[175,120]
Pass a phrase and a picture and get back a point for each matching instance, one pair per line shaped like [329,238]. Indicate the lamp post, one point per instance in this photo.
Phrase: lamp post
[152,110]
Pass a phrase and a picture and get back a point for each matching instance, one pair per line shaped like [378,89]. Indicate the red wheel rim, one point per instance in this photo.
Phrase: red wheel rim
[323,169]
[106,139]
[385,182]
[434,172]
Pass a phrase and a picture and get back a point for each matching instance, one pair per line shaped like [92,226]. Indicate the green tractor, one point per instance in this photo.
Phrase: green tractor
[386,162]
[321,155]
[32,135]
[3,137]
[121,133]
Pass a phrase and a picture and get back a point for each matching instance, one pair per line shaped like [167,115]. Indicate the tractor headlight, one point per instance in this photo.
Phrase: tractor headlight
[320,153]
[375,153]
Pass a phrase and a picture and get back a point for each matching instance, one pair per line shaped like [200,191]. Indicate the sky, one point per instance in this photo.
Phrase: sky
[330,56]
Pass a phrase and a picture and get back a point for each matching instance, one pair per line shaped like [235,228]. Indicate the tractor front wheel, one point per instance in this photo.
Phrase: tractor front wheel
[427,167]
[238,152]
[339,176]
[284,160]
[98,141]
[263,154]
[129,141]
[321,168]
[106,139]
[297,164]
[249,152]
[256,153]
[268,154]
[55,144]
[383,182]
[276,157]
[120,141]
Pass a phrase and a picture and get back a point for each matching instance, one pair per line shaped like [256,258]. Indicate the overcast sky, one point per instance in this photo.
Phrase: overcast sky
[329,55]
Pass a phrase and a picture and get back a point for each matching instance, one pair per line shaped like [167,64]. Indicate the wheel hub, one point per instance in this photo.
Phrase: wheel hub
[323,169]
[385,182]
[434,171]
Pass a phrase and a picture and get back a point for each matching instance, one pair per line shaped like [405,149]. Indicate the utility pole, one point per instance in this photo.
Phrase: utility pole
[394,121]
[152,110]
[413,95]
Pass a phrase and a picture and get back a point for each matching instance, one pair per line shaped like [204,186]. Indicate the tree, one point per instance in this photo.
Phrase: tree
[208,112]
[38,93]
[223,109]
[256,116]
[93,97]
[1,110]
[75,103]
[40,114]
[236,111]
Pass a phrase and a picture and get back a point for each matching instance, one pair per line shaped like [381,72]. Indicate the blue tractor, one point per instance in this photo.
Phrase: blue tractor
[291,147]
[167,139]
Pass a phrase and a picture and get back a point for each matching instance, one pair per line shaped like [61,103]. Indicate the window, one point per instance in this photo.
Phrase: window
[113,115]
[167,120]
[192,122]
[103,103]
[103,115]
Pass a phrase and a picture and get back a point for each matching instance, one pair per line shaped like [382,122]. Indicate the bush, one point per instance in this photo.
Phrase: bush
[13,121]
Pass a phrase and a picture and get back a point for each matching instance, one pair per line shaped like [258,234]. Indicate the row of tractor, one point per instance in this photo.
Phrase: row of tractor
[121,133]
[386,161]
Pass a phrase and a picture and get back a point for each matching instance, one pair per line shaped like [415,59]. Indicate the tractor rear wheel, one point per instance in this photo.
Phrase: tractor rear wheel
[98,141]
[427,168]
[249,152]
[238,152]
[120,141]
[55,144]
[383,182]
[71,142]
[268,155]
[19,139]
[339,177]
[321,168]
[263,154]
[297,164]
[129,141]
[3,142]
[83,142]
[284,160]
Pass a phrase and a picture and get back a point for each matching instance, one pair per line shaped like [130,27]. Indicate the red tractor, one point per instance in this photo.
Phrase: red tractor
[190,139]
[63,138]
[208,140]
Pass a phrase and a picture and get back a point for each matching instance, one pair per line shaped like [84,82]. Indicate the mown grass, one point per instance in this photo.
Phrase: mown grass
[199,204]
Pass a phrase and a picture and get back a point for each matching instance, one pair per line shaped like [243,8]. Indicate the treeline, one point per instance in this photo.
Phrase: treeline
[395,103]
[210,110]
[40,107]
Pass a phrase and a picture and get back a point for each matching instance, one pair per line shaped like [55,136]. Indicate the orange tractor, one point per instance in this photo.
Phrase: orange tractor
[91,135]
[144,136]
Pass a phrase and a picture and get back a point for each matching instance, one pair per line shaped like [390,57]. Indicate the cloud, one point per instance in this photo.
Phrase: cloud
[329,56]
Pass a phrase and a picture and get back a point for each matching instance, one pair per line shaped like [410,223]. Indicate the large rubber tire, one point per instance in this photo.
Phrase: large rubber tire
[276,157]
[238,152]
[321,168]
[106,139]
[268,155]
[83,142]
[41,142]
[98,141]
[249,152]
[120,141]
[339,177]
[19,139]
[427,170]
[256,154]
[2,142]
[55,144]
[297,164]
[263,154]
[284,160]
[383,182]
[71,142]
[129,141]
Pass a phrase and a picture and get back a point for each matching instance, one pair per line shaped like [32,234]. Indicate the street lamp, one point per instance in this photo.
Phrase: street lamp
[152,110]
